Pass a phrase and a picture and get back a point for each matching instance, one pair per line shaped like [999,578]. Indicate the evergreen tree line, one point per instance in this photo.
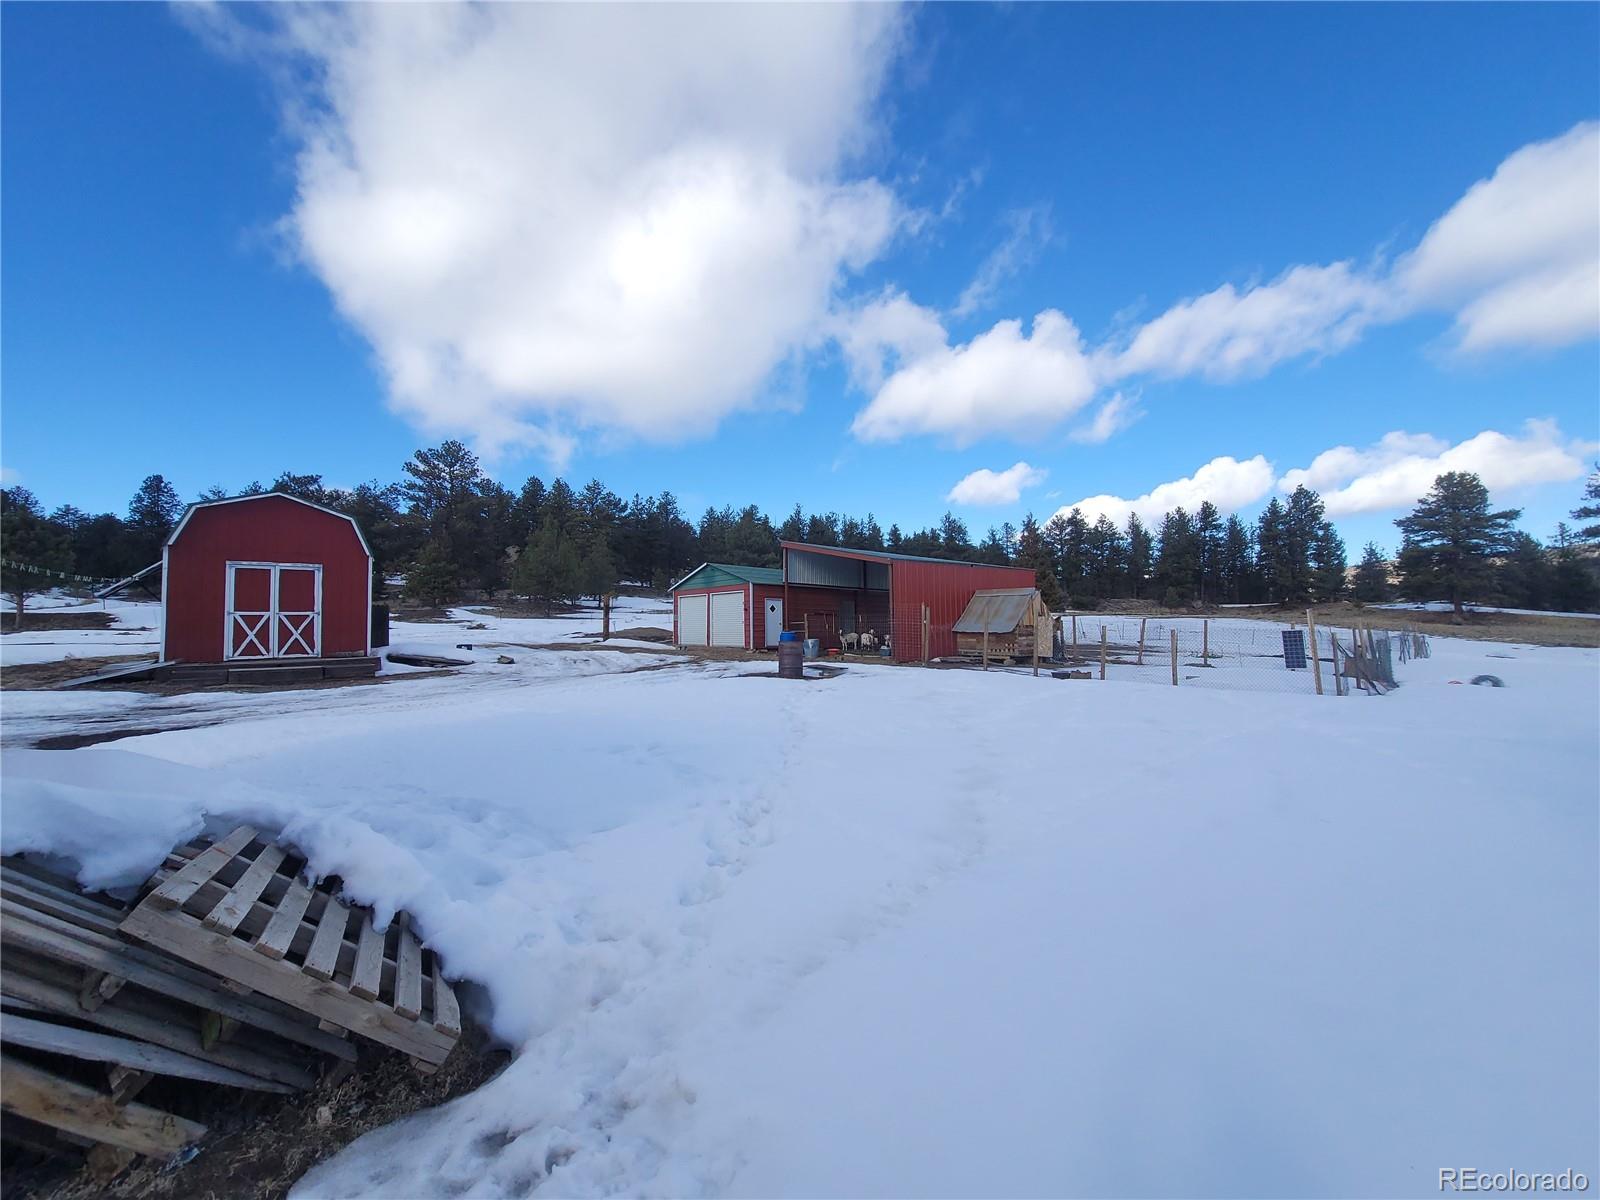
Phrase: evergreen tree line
[452,532]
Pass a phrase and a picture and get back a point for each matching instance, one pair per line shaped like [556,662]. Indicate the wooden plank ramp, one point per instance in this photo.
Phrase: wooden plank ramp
[240,909]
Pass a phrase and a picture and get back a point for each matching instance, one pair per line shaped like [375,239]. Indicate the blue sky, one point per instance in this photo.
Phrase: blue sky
[802,255]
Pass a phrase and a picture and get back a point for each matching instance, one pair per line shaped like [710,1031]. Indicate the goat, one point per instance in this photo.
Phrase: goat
[849,641]
[869,641]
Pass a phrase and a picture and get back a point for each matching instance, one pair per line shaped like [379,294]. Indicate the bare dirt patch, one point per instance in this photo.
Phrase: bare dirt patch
[51,622]
[33,676]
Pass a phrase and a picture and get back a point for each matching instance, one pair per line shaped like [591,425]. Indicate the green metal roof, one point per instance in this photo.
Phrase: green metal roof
[708,575]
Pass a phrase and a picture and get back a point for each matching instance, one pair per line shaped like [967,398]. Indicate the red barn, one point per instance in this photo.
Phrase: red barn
[831,594]
[265,577]
[828,591]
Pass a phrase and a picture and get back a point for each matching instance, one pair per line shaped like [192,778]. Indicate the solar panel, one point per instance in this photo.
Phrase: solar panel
[1294,649]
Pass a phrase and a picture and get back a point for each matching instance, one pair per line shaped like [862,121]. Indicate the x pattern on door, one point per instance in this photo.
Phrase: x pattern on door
[274,610]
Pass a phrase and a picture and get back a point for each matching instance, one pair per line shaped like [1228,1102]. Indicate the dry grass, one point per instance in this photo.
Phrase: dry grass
[1542,630]
[52,622]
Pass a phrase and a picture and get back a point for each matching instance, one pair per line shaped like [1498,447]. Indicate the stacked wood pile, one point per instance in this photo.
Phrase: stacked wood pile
[230,971]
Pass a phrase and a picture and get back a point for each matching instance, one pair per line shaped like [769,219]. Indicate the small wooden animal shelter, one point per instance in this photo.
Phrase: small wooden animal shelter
[1005,623]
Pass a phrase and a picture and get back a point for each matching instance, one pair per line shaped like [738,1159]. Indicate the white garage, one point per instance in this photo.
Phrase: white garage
[712,605]
[692,623]
[727,618]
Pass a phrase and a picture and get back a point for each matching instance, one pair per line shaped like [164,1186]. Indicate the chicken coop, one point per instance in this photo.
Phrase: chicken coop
[1005,623]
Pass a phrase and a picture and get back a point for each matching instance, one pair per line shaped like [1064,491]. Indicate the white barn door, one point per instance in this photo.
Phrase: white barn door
[727,618]
[692,622]
[273,610]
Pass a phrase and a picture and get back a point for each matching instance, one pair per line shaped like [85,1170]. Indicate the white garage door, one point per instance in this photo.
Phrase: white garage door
[727,618]
[691,620]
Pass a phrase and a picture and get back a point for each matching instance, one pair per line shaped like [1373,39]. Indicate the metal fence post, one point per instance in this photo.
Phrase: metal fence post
[1174,658]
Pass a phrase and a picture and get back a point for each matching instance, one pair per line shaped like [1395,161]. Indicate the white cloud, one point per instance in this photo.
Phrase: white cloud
[997,487]
[1226,482]
[553,218]
[884,332]
[1516,261]
[1001,382]
[1110,419]
[1227,334]
[1399,469]
[1026,230]
[1518,256]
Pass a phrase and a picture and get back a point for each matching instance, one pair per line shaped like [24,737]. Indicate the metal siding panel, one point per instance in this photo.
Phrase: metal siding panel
[270,529]
[824,570]
[727,618]
[946,589]
[692,619]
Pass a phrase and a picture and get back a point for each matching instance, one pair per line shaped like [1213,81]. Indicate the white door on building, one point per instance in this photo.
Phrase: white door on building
[727,618]
[774,621]
[274,610]
[692,624]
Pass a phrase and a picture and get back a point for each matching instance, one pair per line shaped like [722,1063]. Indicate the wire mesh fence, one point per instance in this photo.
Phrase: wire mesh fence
[1236,654]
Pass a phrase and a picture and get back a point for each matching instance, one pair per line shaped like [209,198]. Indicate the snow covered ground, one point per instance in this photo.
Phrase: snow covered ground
[908,932]
[135,626]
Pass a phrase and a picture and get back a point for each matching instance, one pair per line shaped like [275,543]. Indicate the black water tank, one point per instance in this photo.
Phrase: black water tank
[380,625]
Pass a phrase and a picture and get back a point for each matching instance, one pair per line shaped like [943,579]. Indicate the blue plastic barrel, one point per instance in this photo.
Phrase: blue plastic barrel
[789,635]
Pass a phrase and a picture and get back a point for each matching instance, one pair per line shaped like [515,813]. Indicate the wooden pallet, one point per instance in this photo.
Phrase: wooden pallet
[238,908]
[89,1020]
[66,961]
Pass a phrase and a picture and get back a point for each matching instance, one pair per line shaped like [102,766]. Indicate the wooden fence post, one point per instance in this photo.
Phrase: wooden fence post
[1141,641]
[605,617]
[1074,633]
[1102,652]
[1174,658]
[1036,646]
[1205,641]
[926,661]
[986,647]
[1316,662]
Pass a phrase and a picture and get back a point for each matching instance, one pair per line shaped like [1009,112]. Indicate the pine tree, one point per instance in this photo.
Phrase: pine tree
[954,541]
[1524,576]
[32,547]
[599,570]
[153,511]
[1141,557]
[432,579]
[1208,531]
[1588,515]
[1328,564]
[1451,538]
[548,570]
[1272,549]
[1177,559]
[1073,560]
[1371,584]
[528,512]
[793,528]
[1032,552]
[1108,557]
[1235,575]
